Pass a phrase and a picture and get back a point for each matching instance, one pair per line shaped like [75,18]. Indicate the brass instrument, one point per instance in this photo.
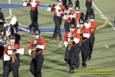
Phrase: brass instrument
[70,41]
[34,48]
[33,52]
[13,56]
[69,47]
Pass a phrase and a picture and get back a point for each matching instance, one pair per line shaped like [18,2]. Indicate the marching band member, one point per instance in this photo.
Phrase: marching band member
[58,11]
[67,19]
[71,43]
[11,58]
[85,48]
[92,37]
[33,14]
[71,17]
[36,48]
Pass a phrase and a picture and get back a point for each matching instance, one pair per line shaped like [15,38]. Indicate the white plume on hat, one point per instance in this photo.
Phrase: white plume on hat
[13,20]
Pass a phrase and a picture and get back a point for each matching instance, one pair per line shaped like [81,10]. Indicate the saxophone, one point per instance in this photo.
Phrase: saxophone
[70,41]
[34,48]
[13,55]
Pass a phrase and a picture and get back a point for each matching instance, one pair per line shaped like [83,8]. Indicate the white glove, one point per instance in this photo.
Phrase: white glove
[30,51]
[20,51]
[86,35]
[40,46]
[76,40]
[10,52]
[6,57]
[65,43]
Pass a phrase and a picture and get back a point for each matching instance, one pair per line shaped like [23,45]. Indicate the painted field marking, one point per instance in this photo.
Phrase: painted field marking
[103,16]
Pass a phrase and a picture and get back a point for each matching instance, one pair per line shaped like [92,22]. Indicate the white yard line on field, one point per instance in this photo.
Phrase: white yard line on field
[103,16]
[107,20]
[24,29]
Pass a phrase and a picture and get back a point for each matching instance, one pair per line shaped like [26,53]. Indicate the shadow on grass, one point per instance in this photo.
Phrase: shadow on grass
[46,23]
[24,62]
[48,37]
[57,62]
[113,45]
[104,30]
[104,57]
[58,51]
[103,65]
[107,39]
[0,75]
[53,68]
[104,48]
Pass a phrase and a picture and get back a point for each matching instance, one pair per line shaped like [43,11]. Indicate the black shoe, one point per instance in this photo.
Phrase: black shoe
[71,70]
[84,65]
[54,37]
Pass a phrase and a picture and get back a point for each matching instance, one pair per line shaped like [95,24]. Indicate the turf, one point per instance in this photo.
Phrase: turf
[54,64]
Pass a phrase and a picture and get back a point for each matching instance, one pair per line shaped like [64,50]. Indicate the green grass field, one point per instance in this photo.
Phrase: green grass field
[54,64]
